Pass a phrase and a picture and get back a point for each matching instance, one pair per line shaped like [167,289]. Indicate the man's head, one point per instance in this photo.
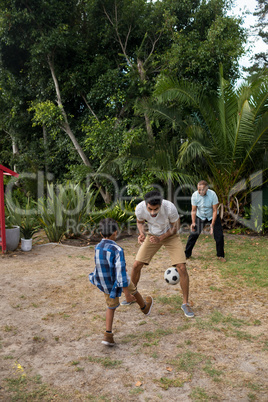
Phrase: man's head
[202,187]
[108,227]
[153,201]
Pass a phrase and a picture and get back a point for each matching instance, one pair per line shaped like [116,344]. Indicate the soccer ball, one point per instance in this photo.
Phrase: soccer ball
[171,276]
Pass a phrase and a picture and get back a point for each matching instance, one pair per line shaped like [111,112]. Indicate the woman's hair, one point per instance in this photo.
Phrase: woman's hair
[107,227]
[153,198]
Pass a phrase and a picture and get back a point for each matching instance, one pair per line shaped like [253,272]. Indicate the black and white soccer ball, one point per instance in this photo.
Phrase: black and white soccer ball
[171,276]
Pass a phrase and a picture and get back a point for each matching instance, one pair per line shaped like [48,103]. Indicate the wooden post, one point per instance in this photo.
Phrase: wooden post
[2,214]
[3,171]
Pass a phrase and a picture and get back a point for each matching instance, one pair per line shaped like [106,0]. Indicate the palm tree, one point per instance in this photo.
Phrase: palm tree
[226,133]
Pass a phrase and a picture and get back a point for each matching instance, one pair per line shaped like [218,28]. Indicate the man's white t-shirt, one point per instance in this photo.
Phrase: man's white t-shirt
[161,223]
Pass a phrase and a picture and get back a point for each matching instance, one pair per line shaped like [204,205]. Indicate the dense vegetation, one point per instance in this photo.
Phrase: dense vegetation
[89,93]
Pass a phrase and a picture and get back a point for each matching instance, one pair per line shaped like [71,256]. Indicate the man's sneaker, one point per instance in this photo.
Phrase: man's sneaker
[148,305]
[125,303]
[187,310]
[108,339]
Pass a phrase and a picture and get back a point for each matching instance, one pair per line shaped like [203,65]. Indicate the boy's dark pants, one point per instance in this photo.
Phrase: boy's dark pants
[218,236]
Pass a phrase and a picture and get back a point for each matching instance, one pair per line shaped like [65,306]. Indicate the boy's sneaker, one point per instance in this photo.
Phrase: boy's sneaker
[125,303]
[148,305]
[108,339]
[187,310]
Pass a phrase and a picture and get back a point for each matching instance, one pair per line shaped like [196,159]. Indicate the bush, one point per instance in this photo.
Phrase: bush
[260,214]
[65,210]
[24,217]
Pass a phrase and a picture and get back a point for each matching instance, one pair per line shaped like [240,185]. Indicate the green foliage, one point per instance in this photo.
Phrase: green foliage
[106,58]
[47,114]
[260,215]
[24,217]
[65,210]
[122,212]
[226,135]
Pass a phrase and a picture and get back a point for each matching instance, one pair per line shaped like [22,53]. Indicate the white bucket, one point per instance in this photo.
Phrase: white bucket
[26,244]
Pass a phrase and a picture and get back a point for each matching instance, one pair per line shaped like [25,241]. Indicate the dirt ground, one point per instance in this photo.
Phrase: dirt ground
[53,319]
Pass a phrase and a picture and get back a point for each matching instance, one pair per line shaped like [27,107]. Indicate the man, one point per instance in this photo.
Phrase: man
[205,210]
[163,223]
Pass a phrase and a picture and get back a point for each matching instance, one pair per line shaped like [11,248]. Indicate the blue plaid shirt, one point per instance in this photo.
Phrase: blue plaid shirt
[110,274]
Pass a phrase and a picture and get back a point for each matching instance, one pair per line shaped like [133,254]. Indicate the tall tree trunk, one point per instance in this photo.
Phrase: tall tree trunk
[66,127]
[15,149]
[45,148]
[148,125]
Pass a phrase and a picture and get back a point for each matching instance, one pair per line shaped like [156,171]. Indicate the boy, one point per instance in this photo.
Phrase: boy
[110,276]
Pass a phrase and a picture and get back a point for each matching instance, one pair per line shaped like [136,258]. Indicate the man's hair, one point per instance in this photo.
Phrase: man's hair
[202,183]
[153,198]
[107,227]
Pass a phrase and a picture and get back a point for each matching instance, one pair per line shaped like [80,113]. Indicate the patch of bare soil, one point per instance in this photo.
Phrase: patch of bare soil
[53,320]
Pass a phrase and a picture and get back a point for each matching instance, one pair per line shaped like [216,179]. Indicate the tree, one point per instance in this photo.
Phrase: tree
[227,134]
[203,37]
[261,59]
[101,58]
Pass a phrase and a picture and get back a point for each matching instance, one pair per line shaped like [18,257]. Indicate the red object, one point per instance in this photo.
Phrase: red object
[3,171]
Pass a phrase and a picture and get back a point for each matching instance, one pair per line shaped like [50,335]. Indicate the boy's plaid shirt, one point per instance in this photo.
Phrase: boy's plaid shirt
[110,274]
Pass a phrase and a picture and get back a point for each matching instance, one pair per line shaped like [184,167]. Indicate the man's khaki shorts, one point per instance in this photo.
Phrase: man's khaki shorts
[173,245]
[114,303]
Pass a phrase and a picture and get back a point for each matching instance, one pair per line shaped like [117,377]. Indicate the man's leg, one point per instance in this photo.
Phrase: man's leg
[136,271]
[145,253]
[193,237]
[184,281]
[219,238]
[174,246]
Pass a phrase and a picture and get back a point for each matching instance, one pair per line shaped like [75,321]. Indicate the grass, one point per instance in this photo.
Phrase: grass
[246,259]
[151,338]
[228,325]
[105,361]
[172,302]
[166,383]
[199,394]
[188,359]
[24,388]
[247,262]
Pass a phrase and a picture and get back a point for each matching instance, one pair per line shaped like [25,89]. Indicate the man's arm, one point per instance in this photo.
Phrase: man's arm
[141,229]
[193,215]
[174,228]
[214,217]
